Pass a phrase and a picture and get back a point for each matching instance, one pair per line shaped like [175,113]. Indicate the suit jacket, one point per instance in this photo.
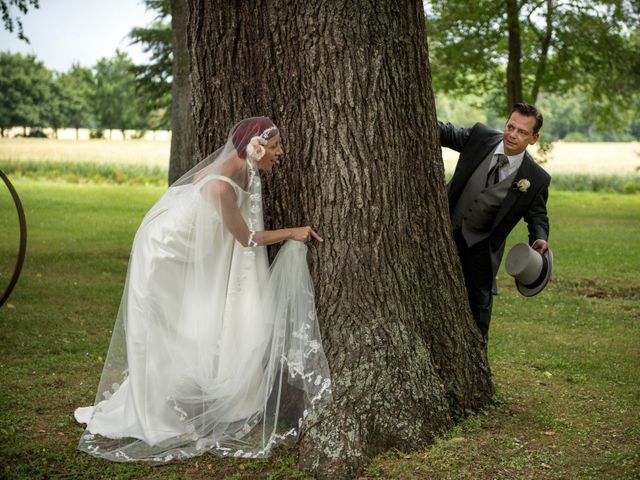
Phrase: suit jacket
[474,144]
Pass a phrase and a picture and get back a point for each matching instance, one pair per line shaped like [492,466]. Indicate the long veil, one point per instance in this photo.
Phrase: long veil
[212,349]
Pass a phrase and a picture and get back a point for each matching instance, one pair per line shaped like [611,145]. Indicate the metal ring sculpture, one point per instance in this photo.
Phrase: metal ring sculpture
[23,240]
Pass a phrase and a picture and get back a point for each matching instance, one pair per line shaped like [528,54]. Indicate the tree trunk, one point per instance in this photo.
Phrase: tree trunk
[182,131]
[514,77]
[545,44]
[348,83]
[77,133]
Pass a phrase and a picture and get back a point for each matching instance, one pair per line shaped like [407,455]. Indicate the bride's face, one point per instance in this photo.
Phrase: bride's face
[273,149]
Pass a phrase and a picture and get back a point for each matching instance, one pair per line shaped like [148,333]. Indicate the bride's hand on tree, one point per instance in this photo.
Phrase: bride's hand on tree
[304,234]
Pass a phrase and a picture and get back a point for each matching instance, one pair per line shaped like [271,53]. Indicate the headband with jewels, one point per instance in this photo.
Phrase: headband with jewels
[269,132]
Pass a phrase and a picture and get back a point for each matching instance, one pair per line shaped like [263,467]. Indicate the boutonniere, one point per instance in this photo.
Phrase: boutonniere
[521,185]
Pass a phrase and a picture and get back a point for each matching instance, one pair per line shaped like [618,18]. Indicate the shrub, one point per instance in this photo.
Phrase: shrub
[37,133]
[86,172]
[632,186]
[576,137]
[581,182]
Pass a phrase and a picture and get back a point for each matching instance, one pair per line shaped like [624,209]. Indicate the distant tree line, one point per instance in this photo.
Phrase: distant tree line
[106,96]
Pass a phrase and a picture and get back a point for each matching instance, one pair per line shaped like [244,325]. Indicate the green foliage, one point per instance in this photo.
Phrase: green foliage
[463,111]
[33,96]
[591,47]
[96,133]
[86,172]
[26,86]
[115,100]
[582,182]
[10,23]
[36,133]
[154,79]
[77,86]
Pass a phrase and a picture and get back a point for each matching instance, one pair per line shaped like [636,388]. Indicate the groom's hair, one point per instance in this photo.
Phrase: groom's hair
[528,111]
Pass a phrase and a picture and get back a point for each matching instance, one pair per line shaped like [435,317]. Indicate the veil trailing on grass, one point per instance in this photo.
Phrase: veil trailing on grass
[212,350]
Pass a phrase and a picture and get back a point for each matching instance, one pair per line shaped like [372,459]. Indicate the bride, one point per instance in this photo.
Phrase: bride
[209,338]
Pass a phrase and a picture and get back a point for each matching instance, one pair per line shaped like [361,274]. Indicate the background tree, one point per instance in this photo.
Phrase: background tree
[116,102]
[164,82]
[154,78]
[183,142]
[54,111]
[518,49]
[348,84]
[79,86]
[25,84]
[11,23]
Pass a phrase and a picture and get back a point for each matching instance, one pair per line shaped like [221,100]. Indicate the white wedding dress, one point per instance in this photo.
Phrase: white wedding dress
[208,338]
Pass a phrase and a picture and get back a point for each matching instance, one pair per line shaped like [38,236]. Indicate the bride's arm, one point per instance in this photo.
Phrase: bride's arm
[224,197]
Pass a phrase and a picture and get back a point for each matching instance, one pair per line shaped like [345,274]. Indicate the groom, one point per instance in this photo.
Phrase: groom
[495,184]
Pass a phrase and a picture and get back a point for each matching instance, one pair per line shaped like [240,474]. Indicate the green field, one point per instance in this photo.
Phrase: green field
[565,362]
[597,167]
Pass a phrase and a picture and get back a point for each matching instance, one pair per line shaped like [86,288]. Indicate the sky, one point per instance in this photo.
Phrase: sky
[83,31]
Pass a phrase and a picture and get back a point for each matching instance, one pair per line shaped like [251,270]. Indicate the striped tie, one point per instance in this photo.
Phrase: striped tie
[495,170]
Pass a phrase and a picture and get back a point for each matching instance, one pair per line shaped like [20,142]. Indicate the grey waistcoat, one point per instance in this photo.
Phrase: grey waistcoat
[478,206]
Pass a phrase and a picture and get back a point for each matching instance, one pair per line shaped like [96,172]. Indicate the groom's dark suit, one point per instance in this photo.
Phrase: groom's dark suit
[480,261]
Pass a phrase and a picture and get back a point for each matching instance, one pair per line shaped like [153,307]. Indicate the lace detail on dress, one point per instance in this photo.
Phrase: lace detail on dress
[206,339]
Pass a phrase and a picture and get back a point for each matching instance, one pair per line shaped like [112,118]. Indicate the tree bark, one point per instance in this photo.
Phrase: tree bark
[514,77]
[348,83]
[182,131]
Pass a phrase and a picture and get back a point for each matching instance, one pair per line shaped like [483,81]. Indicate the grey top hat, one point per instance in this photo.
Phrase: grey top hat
[531,270]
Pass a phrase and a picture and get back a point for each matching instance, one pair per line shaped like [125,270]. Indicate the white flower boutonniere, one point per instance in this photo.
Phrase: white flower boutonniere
[522,185]
[255,149]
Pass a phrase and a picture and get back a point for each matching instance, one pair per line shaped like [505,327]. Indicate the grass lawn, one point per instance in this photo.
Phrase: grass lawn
[565,363]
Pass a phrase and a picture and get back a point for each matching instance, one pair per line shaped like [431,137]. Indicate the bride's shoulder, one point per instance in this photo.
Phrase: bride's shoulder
[217,184]
[219,179]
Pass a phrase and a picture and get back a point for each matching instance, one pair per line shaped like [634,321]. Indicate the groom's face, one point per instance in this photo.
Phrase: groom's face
[518,133]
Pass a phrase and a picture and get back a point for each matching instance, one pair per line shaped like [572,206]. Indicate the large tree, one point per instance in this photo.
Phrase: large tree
[25,86]
[348,83]
[78,85]
[183,146]
[116,103]
[516,49]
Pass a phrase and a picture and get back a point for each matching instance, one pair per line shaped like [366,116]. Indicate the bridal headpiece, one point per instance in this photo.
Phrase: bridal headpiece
[255,149]
[251,135]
